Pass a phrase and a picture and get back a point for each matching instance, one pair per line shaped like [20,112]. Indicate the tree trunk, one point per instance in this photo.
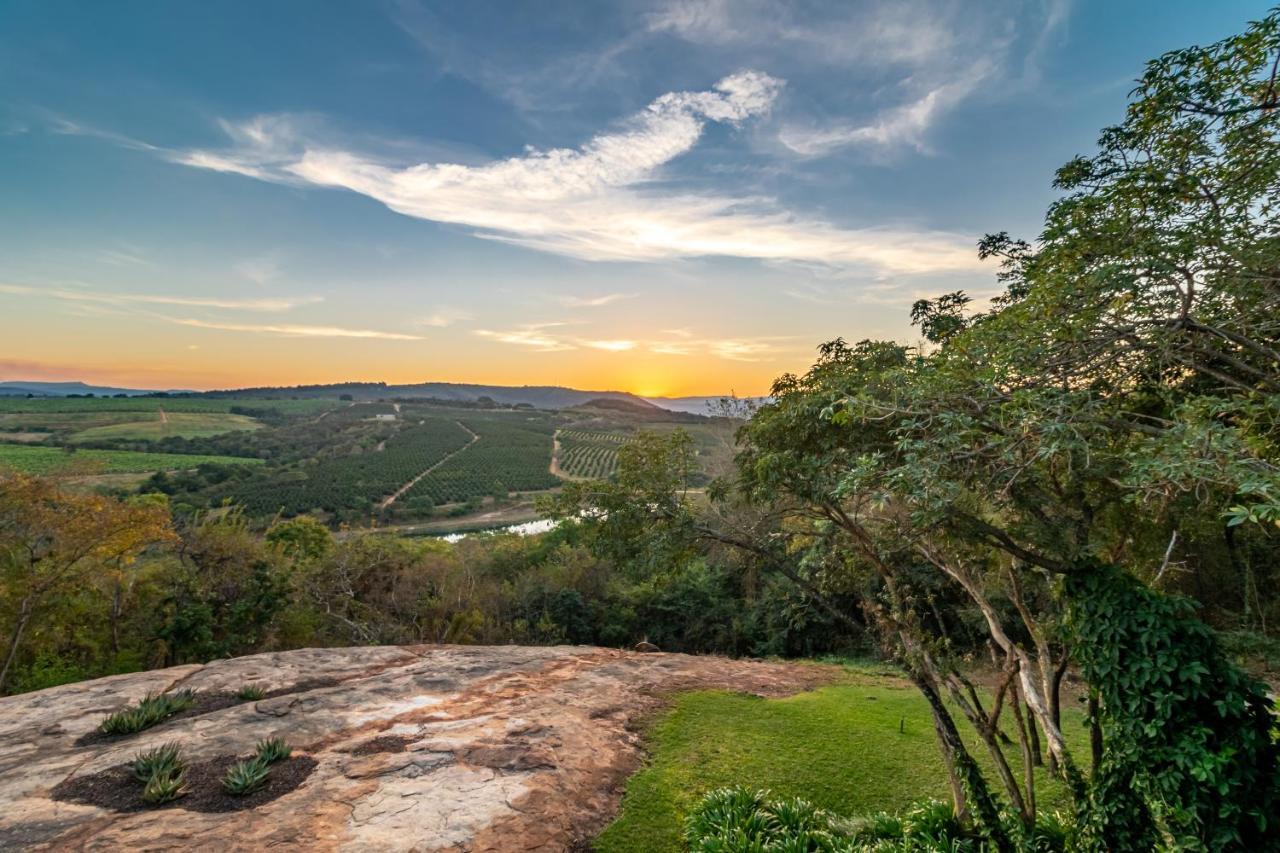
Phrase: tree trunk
[20,626]
[984,806]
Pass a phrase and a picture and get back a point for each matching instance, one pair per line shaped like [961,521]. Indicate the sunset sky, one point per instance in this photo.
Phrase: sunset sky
[667,198]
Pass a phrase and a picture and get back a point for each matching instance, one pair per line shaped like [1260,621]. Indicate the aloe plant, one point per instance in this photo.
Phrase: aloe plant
[245,776]
[272,750]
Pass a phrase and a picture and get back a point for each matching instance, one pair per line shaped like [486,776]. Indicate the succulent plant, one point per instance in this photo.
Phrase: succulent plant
[165,787]
[245,776]
[151,709]
[271,750]
[250,693]
[161,761]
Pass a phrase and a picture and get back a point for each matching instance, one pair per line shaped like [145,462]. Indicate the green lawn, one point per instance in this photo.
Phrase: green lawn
[852,748]
[31,459]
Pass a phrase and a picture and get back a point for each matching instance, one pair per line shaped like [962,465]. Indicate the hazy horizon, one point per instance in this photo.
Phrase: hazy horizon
[671,198]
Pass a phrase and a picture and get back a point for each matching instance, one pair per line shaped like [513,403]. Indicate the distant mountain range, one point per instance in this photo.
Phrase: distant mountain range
[539,396]
[22,388]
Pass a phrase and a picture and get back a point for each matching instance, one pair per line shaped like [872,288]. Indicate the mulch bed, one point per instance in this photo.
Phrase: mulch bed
[382,744]
[117,790]
[206,702]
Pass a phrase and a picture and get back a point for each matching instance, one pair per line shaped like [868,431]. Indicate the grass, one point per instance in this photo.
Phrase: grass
[185,424]
[33,459]
[839,747]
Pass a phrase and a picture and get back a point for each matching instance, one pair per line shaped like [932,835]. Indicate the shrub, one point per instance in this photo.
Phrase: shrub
[161,761]
[272,750]
[150,710]
[250,693]
[245,776]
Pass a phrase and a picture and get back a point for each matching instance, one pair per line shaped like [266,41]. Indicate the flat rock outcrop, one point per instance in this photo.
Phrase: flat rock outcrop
[424,748]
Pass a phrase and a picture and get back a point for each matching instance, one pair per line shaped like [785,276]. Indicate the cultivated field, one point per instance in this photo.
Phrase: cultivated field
[53,460]
[345,462]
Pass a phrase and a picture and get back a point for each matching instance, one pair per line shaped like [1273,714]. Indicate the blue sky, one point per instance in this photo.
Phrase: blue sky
[664,197]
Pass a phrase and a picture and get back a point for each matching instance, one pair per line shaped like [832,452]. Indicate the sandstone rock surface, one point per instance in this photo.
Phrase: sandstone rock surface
[424,748]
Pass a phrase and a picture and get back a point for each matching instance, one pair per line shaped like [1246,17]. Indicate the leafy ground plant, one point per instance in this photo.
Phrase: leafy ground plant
[165,786]
[160,761]
[246,776]
[150,710]
[272,750]
[250,693]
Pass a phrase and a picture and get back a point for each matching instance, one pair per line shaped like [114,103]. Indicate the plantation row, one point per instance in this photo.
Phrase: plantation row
[585,459]
[356,481]
[508,457]
[596,437]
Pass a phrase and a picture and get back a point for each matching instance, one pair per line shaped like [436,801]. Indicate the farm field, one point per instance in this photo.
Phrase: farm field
[52,460]
[507,457]
[97,405]
[345,462]
[589,455]
[184,424]
[356,481]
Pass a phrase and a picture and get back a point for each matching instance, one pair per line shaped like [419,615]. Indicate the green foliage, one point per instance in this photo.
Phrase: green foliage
[1187,733]
[271,750]
[250,693]
[163,760]
[151,709]
[165,787]
[246,776]
[738,820]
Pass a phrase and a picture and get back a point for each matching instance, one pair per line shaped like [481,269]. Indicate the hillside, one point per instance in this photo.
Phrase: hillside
[395,748]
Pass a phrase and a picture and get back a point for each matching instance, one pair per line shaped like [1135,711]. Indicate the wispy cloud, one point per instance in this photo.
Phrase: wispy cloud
[533,336]
[68,295]
[294,331]
[543,337]
[443,317]
[125,256]
[903,125]
[916,60]
[594,301]
[601,201]
[262,270]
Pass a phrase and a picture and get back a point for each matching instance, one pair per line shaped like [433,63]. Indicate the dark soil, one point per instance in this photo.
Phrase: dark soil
[385,743]
[208,701]
[116,789]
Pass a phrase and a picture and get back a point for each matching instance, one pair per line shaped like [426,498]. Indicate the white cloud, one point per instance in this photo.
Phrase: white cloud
[610,346]
[65,294]
[601,201]
[594,301]
[295,331]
